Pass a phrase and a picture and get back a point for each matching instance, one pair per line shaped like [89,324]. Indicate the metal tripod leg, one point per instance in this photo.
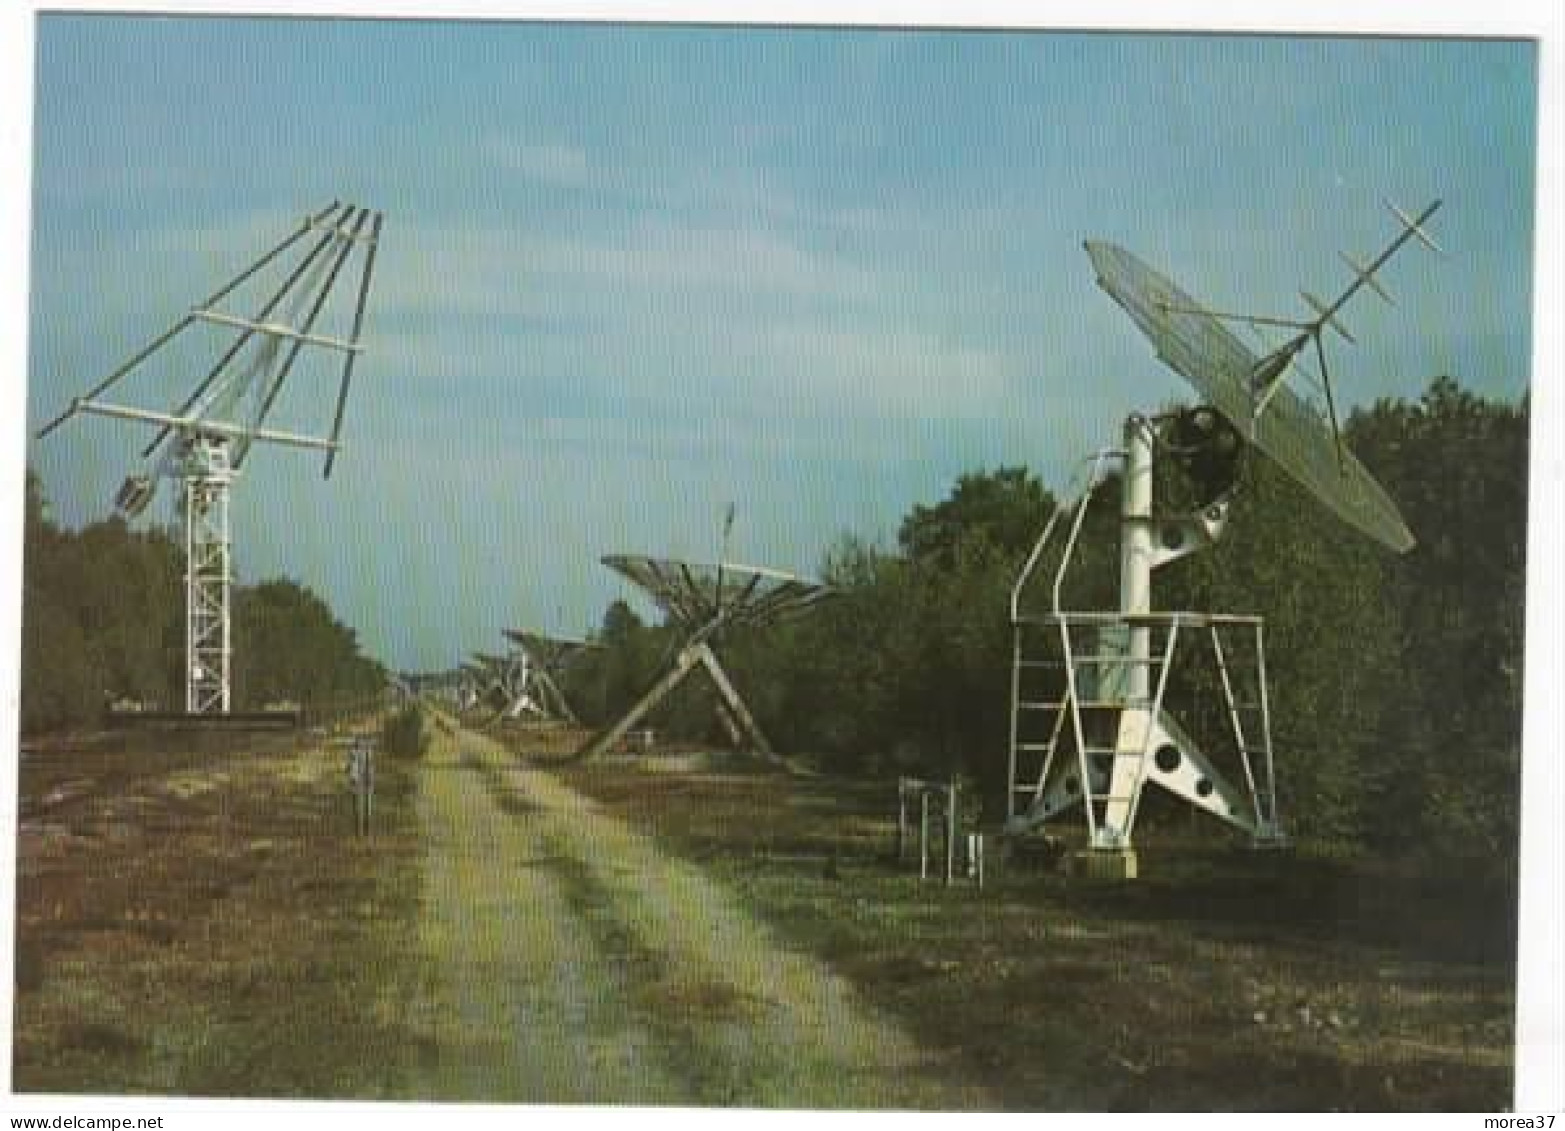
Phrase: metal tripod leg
[553,698]
[739,713]
[689,658]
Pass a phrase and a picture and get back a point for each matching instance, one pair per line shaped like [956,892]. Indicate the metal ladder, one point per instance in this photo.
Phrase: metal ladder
[1249,713]
[1070,674]
[1044,693]
[1070,698]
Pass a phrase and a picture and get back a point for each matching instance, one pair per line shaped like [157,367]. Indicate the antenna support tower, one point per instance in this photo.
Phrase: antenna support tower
[206,477]
[202,444]
[1091,721]
[1090,691]
[541,660]
[704,601]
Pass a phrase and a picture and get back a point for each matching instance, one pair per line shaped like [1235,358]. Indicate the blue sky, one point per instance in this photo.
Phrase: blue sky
[630,274]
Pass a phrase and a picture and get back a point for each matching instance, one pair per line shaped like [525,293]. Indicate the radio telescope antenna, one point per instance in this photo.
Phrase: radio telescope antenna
[203,442]
[497,680]
[542,660]
[1089,720]
[704,601]
[1252,392]
[473,681]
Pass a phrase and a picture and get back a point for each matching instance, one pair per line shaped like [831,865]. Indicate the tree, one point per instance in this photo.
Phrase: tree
[98,609]
[103,621]
[1005,508]
[1331,645]
[294,650]
[606,681]
[1457,464]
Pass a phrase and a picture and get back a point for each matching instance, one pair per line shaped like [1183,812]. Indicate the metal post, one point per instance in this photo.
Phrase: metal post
[951,796]
[901,818]
[923,834]
[358,324]
[1137,552]
[975,858]
[361,780]
[739,714]
[1273,825]
[550,693]
[1016,696]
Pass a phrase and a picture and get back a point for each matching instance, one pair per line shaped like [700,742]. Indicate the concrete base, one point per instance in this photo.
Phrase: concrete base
[1104,864]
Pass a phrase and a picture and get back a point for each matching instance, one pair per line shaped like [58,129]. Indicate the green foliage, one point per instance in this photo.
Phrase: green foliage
[103,622]
[290,648]
[1457,464]
[403,734]
[99,619]
[1002,508]
[1395,680]
[1332,648]
[607,681]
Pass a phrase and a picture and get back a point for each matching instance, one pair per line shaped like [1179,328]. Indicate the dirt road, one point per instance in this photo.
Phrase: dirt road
[568,960]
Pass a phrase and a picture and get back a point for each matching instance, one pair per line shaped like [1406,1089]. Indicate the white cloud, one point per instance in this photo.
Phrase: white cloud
[794,365]
[516,270]
[563,166]
[770,314]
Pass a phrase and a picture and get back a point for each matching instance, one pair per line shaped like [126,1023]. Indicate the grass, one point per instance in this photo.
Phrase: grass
[182,908]
[195,919]
[1221,980]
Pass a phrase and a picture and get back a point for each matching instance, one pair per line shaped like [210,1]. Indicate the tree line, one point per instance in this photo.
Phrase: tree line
[103,623]
[1396,679]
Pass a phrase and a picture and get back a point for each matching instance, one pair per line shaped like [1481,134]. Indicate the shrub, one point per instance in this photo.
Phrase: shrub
[402,734]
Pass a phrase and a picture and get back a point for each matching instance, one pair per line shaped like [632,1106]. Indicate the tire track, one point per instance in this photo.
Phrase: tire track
[572,961]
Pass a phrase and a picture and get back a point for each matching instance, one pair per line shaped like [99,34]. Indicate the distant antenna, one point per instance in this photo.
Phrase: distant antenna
[203,443]
[694,597]
[498,682]
[544,659]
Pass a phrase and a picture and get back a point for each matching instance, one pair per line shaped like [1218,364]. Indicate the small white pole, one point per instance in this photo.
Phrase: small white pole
[923,834]
[901,818]
[951,794]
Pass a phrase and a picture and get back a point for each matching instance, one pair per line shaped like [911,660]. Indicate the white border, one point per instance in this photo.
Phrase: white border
[1541,1006]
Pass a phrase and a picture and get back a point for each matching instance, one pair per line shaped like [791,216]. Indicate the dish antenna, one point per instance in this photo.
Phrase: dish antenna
[542,659]
[473,683]
[704,601]
[497,680]
[1252,392]
[1089,724]
[203,443]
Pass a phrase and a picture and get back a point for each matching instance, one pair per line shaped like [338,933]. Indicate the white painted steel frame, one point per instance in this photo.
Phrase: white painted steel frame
[695,597]
[206,478]
[208,452]
[1142,727]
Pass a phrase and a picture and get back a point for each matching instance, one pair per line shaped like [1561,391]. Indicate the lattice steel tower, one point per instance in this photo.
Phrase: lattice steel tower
[203,443]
